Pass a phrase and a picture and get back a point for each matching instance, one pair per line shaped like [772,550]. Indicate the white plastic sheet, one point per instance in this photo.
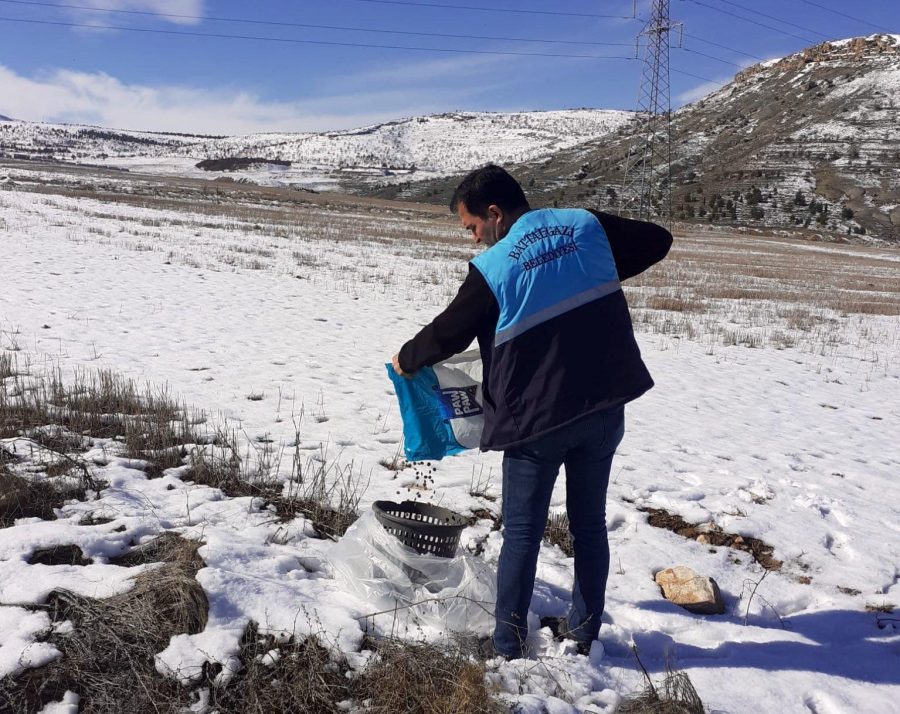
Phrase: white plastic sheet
[423,591]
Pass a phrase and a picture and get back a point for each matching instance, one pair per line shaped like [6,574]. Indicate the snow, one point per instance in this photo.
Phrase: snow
[68,705]
[18,649]
[794,446]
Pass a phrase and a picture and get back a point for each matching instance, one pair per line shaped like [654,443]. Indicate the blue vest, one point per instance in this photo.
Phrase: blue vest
[563,347]
[552,261]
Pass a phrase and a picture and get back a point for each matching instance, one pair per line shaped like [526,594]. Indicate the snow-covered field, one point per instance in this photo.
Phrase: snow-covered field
[272,328]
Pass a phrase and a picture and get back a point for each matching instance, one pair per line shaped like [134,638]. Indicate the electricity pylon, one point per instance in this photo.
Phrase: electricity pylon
[647,182]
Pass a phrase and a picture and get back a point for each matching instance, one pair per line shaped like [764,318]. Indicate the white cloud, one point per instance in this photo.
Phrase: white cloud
[700,91]
[430,70]
[100,99]
[189,8]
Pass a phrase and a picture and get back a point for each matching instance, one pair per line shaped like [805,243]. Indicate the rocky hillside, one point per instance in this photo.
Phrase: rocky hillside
[811,140]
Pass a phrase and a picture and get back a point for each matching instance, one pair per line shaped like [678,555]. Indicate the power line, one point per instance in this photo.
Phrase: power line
[712,57]
[219,35]
[411,3]
[257,38]
[754,22]
[777,19]
[696,76]
[849,17]
[724,47]
[278,23]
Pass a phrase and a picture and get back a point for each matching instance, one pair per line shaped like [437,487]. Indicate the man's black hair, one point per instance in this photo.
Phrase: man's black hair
[489,185]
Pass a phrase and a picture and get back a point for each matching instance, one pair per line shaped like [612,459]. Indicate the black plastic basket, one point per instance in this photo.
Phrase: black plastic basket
[428,529]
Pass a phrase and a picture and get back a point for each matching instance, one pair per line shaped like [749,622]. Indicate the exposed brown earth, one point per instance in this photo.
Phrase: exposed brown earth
[714,536]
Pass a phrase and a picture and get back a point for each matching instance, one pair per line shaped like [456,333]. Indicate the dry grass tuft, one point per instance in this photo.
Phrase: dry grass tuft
[557,533]
[223,469]
[102,405]
[108,660]
[25,498]
[59,555]
[674,695]
[882,607]
[58,439]
[328,496]
[168,548]
[155,438]
[310,677]
[294,677]
[424,679]
[7,366]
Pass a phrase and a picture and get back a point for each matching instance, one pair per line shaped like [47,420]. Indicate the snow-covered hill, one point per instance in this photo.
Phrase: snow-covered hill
[424,146]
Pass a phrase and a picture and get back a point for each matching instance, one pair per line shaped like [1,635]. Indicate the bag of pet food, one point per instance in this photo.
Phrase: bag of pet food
[441,407]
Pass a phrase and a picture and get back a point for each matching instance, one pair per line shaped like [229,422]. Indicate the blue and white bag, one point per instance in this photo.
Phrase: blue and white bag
[441,407]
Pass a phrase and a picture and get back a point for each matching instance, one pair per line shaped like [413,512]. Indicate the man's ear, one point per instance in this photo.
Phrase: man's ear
[494,211]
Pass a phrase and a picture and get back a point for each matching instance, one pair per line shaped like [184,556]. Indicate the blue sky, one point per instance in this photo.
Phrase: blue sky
[165,81]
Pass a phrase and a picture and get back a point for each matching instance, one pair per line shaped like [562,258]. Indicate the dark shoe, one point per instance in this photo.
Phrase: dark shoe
[554,623]
[486,650]
[559,626]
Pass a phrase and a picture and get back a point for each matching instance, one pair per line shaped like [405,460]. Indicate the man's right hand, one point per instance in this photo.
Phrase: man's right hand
[395,360]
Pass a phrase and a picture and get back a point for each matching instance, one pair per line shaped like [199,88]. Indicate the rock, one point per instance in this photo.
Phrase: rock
[693,592]
[703,538]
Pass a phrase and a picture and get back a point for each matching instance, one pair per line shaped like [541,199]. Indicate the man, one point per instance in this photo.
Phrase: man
[560,361]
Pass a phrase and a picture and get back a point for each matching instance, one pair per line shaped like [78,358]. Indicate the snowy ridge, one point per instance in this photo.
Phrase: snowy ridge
[438,144]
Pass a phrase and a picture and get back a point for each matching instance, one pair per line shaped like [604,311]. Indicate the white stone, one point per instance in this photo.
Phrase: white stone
[693,592]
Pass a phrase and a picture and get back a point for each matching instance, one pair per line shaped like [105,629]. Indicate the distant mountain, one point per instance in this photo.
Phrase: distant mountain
[6,118]
[810,140]
[425,146]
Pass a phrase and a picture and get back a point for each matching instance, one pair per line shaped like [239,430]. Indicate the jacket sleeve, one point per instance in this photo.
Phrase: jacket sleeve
[455,328]
[636,245]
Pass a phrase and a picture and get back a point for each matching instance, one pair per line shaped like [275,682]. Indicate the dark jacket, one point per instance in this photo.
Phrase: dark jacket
[581,361]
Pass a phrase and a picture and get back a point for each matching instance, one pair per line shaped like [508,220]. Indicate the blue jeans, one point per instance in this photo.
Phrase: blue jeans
[586,447]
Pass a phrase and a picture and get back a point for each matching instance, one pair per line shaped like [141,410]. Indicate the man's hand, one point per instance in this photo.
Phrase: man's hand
[395,360]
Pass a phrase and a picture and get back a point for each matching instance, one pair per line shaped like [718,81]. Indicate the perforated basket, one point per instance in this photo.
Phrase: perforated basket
[428,529]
